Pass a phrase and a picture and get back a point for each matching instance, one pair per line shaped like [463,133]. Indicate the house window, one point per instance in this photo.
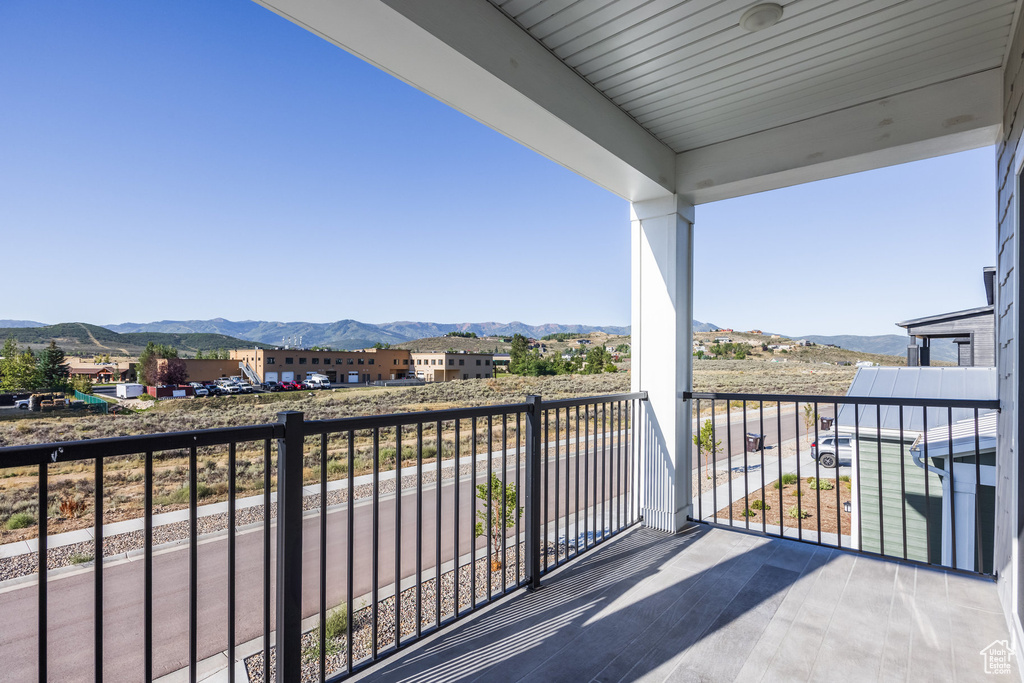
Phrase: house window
[451,361]
[350,361]
[487,361]
[465,376]
[405,361]
[360,361]
[271,360]
[371,363]
[339,361]
[478,375]
[302,361]
[487,374]
[289,361]
[478,361]
[327,361]
[396,361]
[316,361]
[462,361]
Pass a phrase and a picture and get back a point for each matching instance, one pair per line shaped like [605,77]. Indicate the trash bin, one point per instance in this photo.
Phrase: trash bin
[754,442]
[826,422]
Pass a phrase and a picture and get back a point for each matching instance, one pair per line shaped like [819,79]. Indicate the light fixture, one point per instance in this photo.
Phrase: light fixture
[847,507]
[761,16]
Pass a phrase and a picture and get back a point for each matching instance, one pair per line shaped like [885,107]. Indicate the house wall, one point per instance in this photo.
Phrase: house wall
[1008,546]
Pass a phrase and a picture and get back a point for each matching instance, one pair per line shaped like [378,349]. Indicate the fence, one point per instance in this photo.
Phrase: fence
[457,508]
[95,403]
[912,479]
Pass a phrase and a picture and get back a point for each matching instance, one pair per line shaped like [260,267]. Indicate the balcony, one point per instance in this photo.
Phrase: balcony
[462,509]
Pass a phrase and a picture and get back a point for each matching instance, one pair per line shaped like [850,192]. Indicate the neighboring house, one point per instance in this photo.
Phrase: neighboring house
[440,366]
[972,330]
[883,439]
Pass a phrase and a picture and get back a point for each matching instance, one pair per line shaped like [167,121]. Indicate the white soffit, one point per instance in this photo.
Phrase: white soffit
[616,89]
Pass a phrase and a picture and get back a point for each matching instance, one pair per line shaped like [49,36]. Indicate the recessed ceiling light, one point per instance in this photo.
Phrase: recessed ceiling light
[761,16]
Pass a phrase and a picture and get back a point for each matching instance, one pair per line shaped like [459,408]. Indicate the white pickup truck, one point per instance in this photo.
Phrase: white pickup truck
[21,404]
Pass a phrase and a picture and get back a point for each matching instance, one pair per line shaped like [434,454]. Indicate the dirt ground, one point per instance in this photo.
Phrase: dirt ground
[808,502]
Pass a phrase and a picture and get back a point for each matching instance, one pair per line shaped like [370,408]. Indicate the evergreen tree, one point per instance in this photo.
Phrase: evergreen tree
[52,371]
[518,355]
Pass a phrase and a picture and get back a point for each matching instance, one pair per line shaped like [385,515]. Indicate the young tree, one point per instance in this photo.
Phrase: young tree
[504,514]
[705,441]
[52,371]
[199,355]
[81,383]
[24,373]
[809,417]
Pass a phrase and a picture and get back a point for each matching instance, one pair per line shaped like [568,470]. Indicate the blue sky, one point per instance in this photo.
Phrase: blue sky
[190,160]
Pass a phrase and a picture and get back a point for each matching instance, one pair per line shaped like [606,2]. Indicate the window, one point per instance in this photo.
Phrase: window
[378,374]
[289,361]
[433,361]
[302,361]
[396,361]
[478,375]
[487,361]
[465,376]
[371,363]
[478,361]
[360,361]
[316,361]
[451,361]
[487,374]
[271,360]
[462,361]
[405,361]
[350,361]
[419,361]
[327,361]
[339,361]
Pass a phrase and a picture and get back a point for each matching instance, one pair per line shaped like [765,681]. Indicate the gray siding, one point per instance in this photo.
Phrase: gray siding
[1006,345]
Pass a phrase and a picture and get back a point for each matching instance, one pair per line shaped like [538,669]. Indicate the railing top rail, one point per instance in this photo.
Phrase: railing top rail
[981,404]
[65,451]
[588,400]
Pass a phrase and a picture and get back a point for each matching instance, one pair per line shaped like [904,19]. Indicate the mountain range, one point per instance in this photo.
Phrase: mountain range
[353,334]
[350,334]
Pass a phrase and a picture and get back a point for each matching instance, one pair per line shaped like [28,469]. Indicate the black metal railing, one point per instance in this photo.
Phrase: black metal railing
[897,477]
[406,523]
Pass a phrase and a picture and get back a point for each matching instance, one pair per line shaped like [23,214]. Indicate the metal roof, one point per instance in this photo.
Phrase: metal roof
[955,315]
[967,438]
[917,382]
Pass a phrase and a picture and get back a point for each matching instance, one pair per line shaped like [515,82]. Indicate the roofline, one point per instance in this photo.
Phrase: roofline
[947,316]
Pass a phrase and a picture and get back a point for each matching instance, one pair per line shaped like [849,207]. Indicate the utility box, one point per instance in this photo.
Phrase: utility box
[129,390]
[754,442]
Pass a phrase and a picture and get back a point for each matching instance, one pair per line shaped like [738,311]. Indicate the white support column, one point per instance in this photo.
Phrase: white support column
[662,361]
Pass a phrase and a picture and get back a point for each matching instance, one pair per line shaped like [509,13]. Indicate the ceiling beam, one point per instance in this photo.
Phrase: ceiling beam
[469,55]
[952,116]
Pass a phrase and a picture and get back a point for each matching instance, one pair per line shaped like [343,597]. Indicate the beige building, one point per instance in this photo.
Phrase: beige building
[340,367]
[441,366]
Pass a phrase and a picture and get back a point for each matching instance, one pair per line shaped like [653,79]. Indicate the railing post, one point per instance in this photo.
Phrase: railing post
[288,636]
[533,448]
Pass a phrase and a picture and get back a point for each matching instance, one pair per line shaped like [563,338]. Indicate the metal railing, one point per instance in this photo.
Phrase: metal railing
[911,479]
[457,508]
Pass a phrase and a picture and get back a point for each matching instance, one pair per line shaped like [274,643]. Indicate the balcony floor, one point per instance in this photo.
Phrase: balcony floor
[717,605]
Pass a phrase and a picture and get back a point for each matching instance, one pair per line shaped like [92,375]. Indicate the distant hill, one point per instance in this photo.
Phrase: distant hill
[352,334]
[21,323]
[886,344]
[84,339]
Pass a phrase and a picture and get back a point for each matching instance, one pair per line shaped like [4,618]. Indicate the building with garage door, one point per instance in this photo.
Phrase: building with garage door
[340,367]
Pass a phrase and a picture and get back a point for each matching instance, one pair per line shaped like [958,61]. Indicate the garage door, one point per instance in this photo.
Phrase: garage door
[287,376]
[270,377]
[353,377]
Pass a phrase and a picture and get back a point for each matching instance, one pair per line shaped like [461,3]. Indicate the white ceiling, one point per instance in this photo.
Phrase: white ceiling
[687,72]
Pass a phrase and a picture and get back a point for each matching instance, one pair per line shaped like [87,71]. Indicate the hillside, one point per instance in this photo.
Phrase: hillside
[496,345]
[85,339]
[886,344]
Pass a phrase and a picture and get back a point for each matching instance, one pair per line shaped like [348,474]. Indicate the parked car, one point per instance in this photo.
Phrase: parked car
[247,388]
[271,386]
[290,386]
[212,389]
[198,389]
[230,388]
[826,454]
[22,404]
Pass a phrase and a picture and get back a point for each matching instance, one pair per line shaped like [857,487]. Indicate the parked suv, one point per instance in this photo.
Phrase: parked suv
[271,385]
[198,389]
[824,451]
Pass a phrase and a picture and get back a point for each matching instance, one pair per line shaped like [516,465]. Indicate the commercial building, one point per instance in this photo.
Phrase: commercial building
[442,366]
[340,367]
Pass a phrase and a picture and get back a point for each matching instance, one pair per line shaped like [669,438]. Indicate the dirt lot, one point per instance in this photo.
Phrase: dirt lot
[793,505]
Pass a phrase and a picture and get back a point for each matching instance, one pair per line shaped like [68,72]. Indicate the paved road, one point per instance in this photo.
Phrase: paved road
[733,438]
[71,596]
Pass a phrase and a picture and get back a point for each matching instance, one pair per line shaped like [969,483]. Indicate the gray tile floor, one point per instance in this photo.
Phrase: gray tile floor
[718,605]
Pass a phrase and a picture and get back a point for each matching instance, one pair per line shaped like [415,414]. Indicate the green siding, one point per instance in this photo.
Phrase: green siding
[885,534]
